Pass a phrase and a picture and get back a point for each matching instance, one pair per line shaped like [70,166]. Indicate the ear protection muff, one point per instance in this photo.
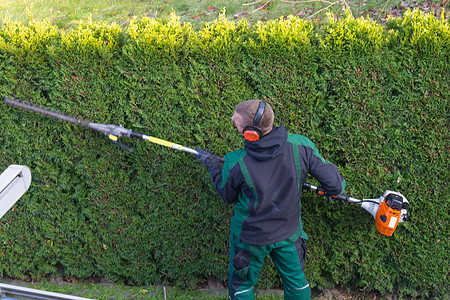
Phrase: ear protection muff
[251,132]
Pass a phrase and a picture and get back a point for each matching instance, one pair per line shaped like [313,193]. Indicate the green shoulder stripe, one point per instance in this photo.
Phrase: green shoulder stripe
[230,160]
[249,181]
[304,141]
[297,164]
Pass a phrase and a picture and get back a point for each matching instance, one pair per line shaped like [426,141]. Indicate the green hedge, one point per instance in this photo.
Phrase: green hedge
[373,98]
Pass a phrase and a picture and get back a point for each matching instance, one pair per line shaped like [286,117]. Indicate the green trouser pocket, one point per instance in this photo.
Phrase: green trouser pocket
[241,262]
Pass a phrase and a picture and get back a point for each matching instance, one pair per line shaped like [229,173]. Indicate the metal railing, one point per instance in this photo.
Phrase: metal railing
[8,291]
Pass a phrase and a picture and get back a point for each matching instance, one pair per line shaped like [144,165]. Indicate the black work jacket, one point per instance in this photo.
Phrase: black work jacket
[264,181]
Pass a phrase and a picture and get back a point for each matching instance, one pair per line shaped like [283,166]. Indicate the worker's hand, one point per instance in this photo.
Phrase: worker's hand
[331,198]
[203,155]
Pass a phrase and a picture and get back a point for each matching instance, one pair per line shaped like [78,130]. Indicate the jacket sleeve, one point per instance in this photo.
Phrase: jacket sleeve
[327,174]
[223,179]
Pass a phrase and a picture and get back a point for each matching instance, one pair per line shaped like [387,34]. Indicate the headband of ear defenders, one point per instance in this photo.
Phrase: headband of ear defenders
[259,113]
[251,132]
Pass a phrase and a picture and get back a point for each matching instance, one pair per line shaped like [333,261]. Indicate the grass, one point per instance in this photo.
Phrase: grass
[67,13]
[105,291]
[116,291]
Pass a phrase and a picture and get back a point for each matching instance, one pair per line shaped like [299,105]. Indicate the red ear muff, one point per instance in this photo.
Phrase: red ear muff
[252,133]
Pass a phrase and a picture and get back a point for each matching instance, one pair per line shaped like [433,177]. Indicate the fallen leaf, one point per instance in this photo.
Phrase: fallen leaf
[211,8]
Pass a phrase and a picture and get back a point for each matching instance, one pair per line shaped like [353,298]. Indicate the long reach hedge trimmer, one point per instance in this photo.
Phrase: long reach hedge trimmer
[388,210]
[113,132]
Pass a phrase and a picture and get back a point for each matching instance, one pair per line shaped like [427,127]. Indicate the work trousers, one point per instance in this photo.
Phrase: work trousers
[247,260]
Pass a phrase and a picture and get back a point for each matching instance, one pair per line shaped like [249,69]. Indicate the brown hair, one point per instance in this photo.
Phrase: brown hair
[247,110]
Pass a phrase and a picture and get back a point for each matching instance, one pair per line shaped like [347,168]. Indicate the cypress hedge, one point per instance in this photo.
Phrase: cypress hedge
[373,98]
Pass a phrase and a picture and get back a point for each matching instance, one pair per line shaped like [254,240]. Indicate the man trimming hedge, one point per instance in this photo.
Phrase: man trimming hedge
[264,180]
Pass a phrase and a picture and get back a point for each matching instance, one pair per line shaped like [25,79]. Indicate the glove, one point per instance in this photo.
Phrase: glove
[203,155]
[332,199]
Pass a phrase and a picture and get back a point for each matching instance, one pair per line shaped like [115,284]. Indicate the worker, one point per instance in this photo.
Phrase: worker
[264,181]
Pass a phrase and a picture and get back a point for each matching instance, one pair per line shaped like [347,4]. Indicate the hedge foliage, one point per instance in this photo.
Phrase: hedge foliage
[373,98]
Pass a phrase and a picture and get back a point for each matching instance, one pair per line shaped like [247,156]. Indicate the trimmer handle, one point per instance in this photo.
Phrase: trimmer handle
[322,192]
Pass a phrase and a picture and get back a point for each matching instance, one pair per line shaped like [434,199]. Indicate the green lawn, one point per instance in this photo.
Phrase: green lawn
[67,13]
[105,291]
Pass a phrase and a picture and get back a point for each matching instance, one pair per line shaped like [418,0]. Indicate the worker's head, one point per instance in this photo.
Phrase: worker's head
[253,115]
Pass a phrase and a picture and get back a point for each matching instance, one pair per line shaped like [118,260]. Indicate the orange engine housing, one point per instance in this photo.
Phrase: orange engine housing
[386,219]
